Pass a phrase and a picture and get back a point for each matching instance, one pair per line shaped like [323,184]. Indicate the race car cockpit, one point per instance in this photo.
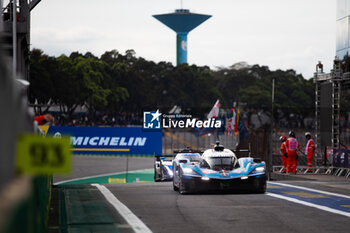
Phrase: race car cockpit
[220,163]
[219,158]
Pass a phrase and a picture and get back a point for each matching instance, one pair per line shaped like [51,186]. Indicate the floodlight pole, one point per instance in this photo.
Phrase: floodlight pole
[14,39]
[272,126]
[1,25]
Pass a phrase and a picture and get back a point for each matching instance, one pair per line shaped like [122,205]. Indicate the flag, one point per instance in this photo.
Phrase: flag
[230,124]
[214,112]
[229,129]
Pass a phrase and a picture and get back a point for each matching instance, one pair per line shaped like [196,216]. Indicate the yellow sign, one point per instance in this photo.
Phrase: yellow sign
[44,128]
[116,180]
[38,155]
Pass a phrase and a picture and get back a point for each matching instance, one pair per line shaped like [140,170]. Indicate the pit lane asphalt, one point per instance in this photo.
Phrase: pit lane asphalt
[164,210]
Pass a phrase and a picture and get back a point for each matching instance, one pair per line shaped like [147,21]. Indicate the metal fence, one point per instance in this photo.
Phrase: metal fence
[177,139]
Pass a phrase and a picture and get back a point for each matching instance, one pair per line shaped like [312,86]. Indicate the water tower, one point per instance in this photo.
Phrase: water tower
[182,22]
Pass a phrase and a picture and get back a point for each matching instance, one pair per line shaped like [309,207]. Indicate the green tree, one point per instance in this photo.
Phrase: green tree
[41,79]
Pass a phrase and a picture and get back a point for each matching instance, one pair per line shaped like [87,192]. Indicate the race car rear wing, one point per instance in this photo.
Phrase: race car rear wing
[188,150]
[158,157]
[256,160]
[242,150]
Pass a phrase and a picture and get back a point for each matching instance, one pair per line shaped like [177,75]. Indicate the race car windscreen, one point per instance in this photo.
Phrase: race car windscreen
[219,163]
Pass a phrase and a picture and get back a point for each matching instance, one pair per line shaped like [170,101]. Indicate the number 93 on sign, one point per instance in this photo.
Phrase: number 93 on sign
[38,155]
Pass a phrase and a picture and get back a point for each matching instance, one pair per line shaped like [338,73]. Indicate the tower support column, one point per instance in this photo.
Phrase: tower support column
[181,48]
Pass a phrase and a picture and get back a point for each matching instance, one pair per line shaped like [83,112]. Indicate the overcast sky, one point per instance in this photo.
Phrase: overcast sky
[281,34]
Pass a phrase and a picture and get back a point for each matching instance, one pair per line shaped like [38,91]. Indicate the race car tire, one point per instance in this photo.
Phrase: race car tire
[182,188]
[260,186]
[155,176]
[174,187]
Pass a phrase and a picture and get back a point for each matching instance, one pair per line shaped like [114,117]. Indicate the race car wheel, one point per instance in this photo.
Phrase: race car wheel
[260,186]
[174,187]
[182,187]
[156,179]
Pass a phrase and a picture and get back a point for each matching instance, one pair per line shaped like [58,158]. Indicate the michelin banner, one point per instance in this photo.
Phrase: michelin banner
[109,140]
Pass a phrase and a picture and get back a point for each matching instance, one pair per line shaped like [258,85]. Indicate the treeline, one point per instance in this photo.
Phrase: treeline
[115,83]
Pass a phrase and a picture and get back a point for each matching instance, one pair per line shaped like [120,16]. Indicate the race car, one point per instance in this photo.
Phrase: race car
[163,168]
[218,169]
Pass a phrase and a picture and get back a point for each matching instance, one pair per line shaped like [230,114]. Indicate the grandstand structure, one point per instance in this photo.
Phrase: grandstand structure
[328,88]
[15,35]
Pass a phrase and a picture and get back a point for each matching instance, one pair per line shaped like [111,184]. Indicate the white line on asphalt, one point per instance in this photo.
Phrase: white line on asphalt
[96,176]
[309,189]
[137,225]
[310,204]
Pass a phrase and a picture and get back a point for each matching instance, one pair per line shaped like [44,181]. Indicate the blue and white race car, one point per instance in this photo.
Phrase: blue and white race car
[163,168]
[218,169]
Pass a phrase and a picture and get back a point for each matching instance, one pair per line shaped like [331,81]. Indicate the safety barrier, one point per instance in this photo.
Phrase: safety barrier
[30,213]
[335,171]
[338,171]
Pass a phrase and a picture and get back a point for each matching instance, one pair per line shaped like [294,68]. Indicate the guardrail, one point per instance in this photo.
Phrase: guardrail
[24,200]
[334,171]
[30,211]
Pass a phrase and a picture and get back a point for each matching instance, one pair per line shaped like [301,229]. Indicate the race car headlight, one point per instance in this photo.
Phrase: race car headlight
[187,170]
[260,169]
